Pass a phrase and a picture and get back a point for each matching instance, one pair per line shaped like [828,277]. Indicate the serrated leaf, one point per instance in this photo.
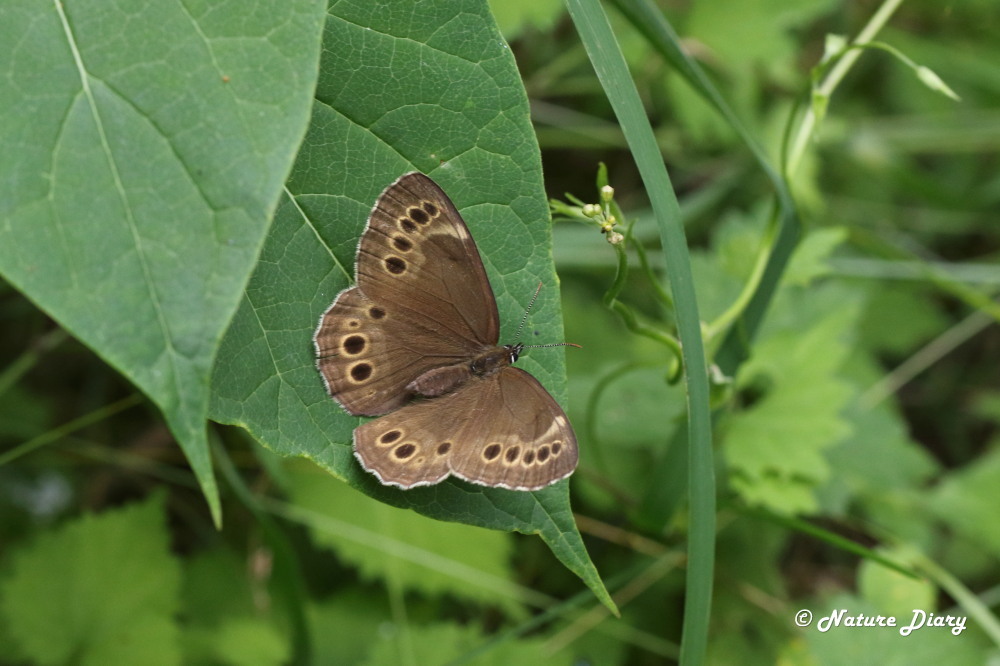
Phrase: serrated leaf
[359,617]
[217,587]
[809,261]
[409,86]
[776,448]
[444,643]
[144,147]
[439,558]
[967,499]
[101,589]
[891,592]
[879,465]
[247,640]
[899,317]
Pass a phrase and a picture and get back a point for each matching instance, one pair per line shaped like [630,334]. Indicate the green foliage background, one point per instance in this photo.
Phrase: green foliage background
[180,198]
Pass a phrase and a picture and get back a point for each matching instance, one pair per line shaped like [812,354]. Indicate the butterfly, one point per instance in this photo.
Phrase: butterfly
[416,343]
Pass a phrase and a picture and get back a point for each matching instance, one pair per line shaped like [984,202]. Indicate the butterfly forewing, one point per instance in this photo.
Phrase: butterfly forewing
[360,357]
[417,255]
[422,301]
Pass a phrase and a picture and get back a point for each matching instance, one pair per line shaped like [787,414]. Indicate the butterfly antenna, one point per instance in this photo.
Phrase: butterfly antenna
[525,318]
[520,327]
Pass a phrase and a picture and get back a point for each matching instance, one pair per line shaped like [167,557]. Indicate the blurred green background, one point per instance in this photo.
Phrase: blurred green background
[858,464]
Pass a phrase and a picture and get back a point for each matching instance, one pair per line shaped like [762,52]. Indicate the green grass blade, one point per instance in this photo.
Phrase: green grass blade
[649,21]
[609,63]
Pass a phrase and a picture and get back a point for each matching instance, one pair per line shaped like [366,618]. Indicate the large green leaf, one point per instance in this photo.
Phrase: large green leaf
[144,147]
[100,589]
[408,551]
[412,85]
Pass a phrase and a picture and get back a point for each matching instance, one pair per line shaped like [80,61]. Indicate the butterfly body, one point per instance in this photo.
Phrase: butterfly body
[438,381]
[417,341]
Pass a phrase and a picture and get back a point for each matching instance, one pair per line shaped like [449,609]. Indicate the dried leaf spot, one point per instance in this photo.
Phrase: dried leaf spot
[402,244]
[529,457]
[418,215]
[512,454]
[404,451]
[390,437]
[376,312]
[443,448]
[361,371]
[431,209]
[543,453]
[354,344]
[492,451]
[395,265]
[407,225]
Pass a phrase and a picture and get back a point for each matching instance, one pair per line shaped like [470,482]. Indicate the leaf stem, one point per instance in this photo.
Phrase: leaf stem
[833,78]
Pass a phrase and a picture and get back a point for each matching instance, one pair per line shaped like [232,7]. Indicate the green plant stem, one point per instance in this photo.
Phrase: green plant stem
[736,309]
[661,294]
[832,538]
[594,403]
[647,19]
[935,273]
[27,360]
[76,424]
[963,596]
[833,78]
[286,564]
[927,356]
[407,552]
[621,275]
[626,313]
[403,634]
[564,609]
[612,71]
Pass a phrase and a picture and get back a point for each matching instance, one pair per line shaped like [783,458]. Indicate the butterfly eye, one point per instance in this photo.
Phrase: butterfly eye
[361,372]
[390,437]
[514,352]
[418,216]
[354,344]
[404,451]
[395,265]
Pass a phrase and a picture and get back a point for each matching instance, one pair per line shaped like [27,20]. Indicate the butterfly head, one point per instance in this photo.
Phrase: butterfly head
[514,351]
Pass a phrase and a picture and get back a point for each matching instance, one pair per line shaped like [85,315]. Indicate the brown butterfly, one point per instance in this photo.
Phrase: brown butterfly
[416,340]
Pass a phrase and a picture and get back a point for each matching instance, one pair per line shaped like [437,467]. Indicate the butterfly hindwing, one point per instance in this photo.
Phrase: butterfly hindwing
[502,431]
